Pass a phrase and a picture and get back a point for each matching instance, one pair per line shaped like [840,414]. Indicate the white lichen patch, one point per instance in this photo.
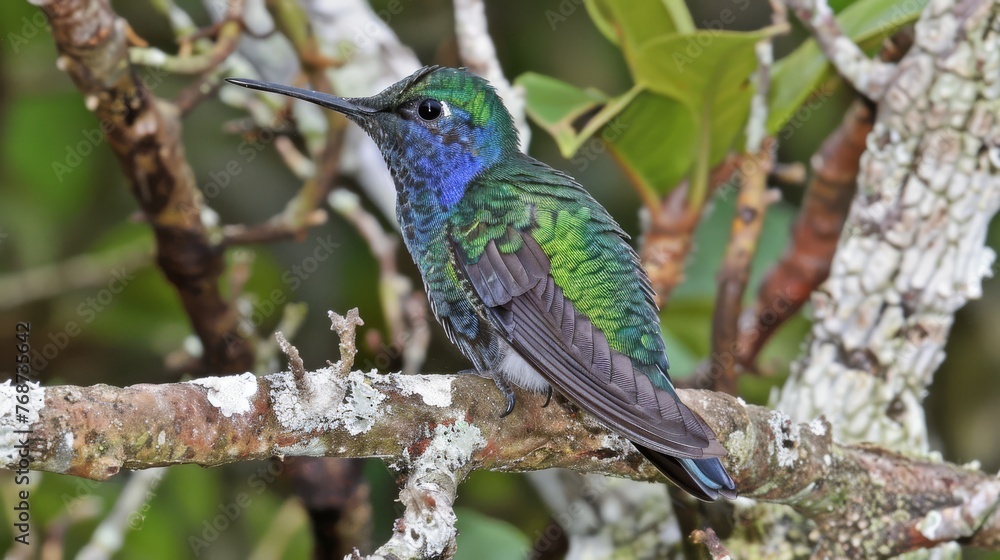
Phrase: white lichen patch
[429,518]
[361,408]
[161,438]
[618,444]
[817,427]
[785,446]
[232,394]
[435,390]
[929,525]
[18,411]
[450,448]
[740,446]
[331,401]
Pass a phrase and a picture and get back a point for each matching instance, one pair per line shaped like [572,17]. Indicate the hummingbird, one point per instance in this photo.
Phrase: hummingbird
[531,278]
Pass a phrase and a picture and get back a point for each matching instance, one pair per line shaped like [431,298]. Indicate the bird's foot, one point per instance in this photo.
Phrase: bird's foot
[548,396]
[507,391]
[502,384]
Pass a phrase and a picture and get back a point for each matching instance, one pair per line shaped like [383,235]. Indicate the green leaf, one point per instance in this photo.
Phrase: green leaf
[562,109]
[484,538]
[554,105]
[634,22]
[689,104]
[797,76]
[694,67]
[654,141]
[709,72]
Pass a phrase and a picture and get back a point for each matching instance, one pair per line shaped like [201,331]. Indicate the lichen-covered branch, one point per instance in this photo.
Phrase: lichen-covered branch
[913,249]
[435,428]
[870,77]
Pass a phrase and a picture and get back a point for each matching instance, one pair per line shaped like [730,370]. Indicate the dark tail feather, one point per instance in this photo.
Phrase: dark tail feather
[705,479]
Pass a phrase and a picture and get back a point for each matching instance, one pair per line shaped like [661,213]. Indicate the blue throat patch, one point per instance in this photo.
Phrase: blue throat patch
[451,166]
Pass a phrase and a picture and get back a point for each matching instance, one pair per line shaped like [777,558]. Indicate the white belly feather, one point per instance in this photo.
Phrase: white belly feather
[519,372]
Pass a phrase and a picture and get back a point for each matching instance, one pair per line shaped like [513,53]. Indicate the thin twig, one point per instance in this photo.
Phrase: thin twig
[668,230]
[711,541]
[145,134]
[346,328]
[869,77]
[303,210]
[83,271]
[475,47]
[294,359]
[128,513]
[751,206]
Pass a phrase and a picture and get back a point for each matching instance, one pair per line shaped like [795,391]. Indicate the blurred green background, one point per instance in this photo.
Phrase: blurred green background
[51,214]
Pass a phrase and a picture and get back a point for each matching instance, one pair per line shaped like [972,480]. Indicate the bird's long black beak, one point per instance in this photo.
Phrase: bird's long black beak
[338,104]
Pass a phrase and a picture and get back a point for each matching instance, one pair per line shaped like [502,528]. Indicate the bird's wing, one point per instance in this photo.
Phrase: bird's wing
[528,308]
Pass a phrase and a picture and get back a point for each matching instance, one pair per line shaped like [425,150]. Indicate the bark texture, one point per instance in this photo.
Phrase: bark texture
[865,501]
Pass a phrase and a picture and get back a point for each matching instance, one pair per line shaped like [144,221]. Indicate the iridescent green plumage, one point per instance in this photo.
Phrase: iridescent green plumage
[588,259]
[529,276]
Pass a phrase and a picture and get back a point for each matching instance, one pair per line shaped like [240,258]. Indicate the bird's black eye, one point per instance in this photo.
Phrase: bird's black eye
[429,109]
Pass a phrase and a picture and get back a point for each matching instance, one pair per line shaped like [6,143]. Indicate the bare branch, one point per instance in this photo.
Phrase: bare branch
[346,328]
[126,515]
[48,281]
[815,233]
[668,229]
[711,541]
[294,359]
[751,206]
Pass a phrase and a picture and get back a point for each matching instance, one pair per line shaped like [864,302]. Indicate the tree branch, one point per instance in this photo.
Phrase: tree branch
[144,133]
[913,249]
[406,420]
[869,77]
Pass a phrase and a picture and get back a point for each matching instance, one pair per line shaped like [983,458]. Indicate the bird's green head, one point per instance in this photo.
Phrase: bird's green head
[437,129]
